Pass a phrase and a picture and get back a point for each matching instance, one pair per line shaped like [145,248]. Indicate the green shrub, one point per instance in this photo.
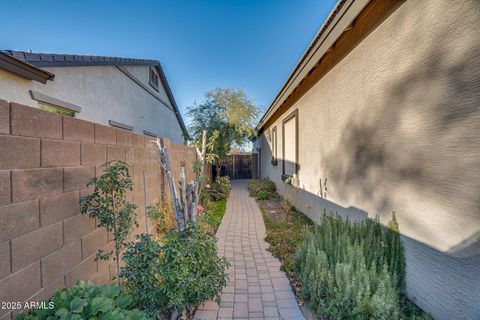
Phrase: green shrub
[141,274]
[255,186]
[352,270]
[88,301]
[178,272]
[263,195]
[220,188]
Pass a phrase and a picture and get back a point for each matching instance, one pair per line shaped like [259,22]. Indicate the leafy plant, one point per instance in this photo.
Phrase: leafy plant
[109,206]
[178,272]
[255,186]
[263,195]
[142,274]
[220,188]
[88,301]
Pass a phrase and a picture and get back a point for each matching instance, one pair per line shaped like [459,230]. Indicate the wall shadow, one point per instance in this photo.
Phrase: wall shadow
[423,138]
[433,277]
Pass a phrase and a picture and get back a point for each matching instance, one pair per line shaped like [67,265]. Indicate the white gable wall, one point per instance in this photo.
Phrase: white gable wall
[104,93]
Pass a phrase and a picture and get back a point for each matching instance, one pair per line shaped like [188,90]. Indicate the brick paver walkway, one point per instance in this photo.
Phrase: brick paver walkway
[257,288]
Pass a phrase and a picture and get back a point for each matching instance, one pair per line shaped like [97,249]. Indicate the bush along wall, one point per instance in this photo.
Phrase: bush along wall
[88,301]
[354,270]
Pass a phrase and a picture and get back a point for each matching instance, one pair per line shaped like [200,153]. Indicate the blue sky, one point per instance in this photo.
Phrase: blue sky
[202,44]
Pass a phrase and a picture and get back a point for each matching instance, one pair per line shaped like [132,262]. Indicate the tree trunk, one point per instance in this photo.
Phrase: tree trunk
[117,249]
[177,206]
[192,200]
[184,194]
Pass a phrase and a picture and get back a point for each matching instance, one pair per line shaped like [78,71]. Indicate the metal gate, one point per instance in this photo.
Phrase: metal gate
[236,166]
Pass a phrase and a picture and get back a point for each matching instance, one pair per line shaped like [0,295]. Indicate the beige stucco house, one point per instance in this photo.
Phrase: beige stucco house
[132,94]
[383,109]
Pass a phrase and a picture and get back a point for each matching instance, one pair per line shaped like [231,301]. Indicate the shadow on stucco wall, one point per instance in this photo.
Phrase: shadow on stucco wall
[423,138]
[444,284]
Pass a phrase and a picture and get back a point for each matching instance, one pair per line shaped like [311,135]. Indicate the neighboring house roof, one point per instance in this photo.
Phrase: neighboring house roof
[340,18]
[46,60]
[24,69]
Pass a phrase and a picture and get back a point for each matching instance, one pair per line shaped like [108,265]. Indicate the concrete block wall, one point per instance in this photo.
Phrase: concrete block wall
[46,161]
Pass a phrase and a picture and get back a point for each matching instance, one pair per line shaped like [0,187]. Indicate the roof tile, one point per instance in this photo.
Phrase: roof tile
[46,57]
[30,57]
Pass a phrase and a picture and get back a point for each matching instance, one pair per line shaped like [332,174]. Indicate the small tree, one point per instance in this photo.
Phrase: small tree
[228,116]
[109,206]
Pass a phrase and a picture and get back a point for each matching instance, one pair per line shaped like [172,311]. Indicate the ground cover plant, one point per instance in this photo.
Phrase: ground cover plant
[263,195]
[256,186]
[285,225]
[213,213]
[88,301]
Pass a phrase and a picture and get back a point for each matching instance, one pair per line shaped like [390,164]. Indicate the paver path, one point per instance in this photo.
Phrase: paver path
[257,288]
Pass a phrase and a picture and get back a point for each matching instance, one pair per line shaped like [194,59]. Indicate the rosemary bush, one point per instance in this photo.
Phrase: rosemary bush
[352,270]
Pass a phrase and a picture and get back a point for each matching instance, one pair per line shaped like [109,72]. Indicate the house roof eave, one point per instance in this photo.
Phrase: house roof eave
[24,69]
[340,18]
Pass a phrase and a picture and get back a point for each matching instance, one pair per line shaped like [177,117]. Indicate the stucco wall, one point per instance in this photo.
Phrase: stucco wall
[395,126]
[104,93]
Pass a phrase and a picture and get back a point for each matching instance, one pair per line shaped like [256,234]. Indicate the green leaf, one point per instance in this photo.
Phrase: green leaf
[77,305]
[136,314]
[75,317]
[124,301]
[62,313]
[110,291]
[101,304]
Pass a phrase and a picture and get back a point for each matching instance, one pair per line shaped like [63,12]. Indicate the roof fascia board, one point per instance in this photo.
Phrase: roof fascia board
[24,69]
[165,84]
[347,14]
